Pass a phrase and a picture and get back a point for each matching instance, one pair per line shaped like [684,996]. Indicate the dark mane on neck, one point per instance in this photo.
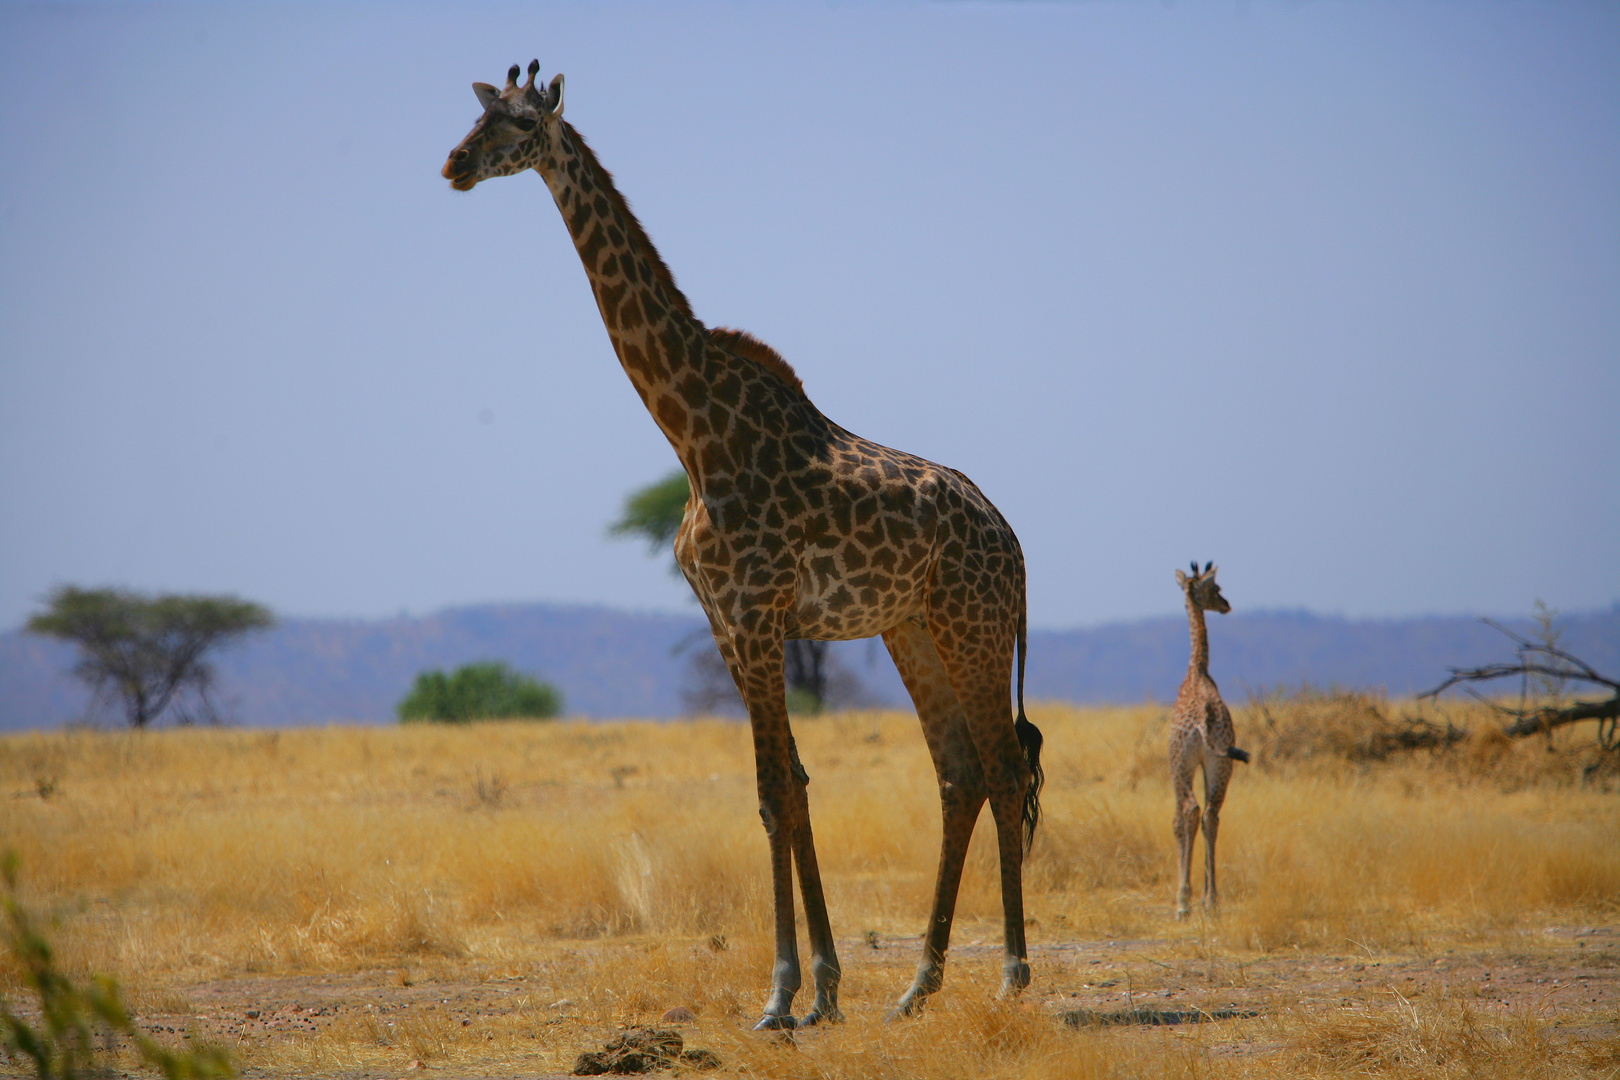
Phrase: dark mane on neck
[742,343]
[639,240]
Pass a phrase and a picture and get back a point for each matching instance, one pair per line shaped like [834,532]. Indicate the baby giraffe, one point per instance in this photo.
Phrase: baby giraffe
[1200,735]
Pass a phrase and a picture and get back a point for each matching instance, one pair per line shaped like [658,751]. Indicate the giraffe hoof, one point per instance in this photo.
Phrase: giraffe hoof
[905,1010]
[814,1017]
[776,1023]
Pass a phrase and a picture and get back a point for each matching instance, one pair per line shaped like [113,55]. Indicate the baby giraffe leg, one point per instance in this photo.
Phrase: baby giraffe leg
[1216,775]
[1183,764]
[1186,829]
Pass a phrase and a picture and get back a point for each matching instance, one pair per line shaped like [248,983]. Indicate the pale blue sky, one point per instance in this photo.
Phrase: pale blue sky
[1328,293]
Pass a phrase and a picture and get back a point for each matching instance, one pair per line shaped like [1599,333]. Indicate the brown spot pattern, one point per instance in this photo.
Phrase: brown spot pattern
[797,528]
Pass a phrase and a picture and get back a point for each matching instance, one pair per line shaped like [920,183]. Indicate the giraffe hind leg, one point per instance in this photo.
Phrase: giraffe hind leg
[1185,825]
[1217,773]
[980,670]
[961,793]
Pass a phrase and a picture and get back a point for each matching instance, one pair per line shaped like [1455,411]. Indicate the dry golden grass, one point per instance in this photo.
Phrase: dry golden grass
[566,879]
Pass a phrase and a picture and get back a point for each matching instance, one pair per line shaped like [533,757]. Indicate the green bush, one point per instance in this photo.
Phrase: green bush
[72,1037]
[486,691]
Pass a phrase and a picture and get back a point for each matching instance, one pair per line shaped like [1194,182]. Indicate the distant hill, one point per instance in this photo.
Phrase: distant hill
[621,664]
[1261,651]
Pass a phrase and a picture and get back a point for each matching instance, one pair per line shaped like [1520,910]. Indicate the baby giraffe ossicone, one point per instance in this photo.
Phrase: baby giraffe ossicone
[1200,737]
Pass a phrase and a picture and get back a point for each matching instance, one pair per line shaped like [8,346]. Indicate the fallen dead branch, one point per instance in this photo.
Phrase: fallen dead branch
[1552,665]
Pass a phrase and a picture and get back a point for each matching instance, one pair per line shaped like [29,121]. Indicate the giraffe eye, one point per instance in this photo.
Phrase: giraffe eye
[525,123]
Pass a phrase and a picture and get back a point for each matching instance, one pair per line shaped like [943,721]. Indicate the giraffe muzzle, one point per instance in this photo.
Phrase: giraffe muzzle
[458,169]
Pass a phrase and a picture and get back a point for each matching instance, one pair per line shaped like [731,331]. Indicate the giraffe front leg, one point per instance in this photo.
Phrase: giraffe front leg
[757,655]
[824,970]
[778,1012]
[776,812]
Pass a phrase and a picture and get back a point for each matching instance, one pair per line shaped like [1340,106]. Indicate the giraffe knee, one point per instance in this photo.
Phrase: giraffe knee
[795,766]
[961,795]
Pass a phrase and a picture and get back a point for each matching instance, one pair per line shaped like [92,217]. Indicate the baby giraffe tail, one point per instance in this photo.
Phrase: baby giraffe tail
[1238,755]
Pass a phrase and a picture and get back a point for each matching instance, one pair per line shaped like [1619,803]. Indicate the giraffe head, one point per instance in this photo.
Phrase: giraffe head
[1201,590]
[517,128]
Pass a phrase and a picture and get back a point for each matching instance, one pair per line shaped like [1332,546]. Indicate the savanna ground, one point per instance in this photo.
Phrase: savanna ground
[491,900]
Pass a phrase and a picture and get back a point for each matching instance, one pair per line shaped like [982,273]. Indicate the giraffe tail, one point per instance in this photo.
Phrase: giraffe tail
[1029,738]
[1237,755]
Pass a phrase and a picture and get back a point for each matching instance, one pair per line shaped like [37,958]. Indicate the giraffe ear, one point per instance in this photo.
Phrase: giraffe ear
[555,96]
[486,93]
[1181,579]
[1212,570]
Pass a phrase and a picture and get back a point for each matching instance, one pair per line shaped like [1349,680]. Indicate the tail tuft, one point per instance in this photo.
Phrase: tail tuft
[1029,737]
[1238,755]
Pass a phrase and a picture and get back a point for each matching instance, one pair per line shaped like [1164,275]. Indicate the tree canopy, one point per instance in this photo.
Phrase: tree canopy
[148,651]
[483,691]
[654,512]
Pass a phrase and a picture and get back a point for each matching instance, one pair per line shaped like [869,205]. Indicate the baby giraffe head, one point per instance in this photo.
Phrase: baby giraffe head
[1201,590]
[516,130]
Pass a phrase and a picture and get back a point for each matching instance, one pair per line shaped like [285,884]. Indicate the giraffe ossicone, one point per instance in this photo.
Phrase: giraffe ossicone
[1201,737]
[797,528]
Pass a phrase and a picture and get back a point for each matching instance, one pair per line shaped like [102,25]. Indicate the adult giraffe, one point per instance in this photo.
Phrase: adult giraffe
[798,529]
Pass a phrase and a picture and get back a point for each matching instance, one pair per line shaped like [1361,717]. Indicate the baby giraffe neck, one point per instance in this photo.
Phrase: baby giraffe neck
[1199,661]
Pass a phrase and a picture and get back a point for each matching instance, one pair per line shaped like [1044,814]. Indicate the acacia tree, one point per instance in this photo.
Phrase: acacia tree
[148,651]
[654,514]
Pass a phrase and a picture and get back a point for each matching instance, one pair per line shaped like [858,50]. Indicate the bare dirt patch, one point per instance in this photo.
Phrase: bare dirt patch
[411,1025]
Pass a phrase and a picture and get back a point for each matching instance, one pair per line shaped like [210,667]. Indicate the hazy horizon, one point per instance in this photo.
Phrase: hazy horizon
[692,611]
[1324,293]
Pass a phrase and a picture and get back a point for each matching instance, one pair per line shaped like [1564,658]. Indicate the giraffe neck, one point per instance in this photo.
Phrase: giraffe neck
[1199,661]
[649,321]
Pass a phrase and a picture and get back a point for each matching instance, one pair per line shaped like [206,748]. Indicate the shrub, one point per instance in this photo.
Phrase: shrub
[485,691]
[64,1044]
